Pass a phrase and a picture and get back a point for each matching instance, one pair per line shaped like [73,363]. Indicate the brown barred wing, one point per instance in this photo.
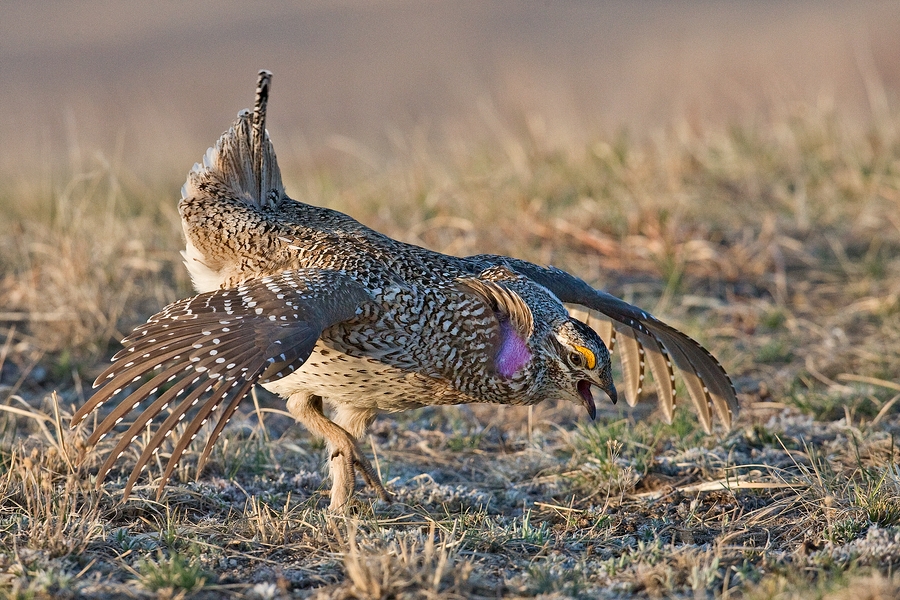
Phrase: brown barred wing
[644,340]
[210,350]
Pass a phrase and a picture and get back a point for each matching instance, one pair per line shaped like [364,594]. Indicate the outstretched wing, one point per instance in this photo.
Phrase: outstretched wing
[646,341]
[213,348]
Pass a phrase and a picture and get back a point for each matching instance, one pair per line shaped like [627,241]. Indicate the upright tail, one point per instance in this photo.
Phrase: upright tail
[243,160]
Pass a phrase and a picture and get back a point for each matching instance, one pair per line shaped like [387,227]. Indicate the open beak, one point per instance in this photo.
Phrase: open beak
[611,392]
[587,397]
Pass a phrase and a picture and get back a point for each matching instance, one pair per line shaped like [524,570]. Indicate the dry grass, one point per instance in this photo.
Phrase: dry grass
[777,244]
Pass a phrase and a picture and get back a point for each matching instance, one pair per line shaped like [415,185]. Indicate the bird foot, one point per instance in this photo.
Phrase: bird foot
[346,458]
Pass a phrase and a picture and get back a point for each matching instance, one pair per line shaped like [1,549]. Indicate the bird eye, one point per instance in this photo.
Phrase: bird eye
[576,359]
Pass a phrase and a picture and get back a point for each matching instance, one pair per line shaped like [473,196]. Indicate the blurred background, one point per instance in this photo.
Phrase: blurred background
[149,86]
[732,166]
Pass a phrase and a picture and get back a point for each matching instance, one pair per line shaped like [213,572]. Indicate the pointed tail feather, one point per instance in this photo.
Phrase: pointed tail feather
[243,159]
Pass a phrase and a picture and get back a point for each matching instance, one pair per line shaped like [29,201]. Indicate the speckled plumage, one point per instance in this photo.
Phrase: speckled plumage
[315,306]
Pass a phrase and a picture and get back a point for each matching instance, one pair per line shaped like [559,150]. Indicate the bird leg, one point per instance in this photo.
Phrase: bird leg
[345,455]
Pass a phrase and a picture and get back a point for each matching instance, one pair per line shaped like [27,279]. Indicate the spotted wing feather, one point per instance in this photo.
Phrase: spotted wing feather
[706,381]
[210,350]
[660,364]
[631,353]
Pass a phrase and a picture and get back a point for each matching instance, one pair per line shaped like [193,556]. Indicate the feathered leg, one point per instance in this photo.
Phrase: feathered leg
[345,455]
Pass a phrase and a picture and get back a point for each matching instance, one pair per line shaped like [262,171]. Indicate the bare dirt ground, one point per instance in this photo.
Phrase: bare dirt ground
[752,199]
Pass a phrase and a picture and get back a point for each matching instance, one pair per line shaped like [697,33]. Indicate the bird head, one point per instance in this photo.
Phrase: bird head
[581,361]
[539,339]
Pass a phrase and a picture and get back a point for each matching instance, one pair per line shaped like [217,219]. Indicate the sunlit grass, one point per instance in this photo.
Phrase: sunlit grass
[777,245]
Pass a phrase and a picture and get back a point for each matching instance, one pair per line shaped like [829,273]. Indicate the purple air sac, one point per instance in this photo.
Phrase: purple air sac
[514,353]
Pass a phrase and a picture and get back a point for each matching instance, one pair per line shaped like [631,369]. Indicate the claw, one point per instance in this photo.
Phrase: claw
[344,475]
